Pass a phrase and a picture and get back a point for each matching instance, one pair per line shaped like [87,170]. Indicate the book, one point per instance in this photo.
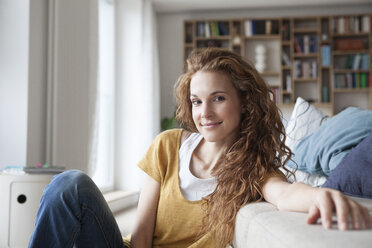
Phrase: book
[248,28]
[306,41]
[365,62]
[207,30]
[286,60]
[326,55]
[363,80]
[341,25]
[356,62]
[365,24]
[268,27]
[288,83]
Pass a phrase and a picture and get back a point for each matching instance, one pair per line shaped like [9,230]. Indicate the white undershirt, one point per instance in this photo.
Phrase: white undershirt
[192,187]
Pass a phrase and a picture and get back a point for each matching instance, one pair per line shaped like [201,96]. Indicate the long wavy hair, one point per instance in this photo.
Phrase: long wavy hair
[257,154]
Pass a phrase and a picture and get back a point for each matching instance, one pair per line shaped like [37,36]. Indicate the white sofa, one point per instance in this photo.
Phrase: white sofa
[262,225]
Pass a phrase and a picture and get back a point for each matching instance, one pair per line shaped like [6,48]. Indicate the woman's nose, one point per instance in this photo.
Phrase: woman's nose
[206,110]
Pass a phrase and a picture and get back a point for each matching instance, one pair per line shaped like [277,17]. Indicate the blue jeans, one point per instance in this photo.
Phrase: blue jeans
[73,212]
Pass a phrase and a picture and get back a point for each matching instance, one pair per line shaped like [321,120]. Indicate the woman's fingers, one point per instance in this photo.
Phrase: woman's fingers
[326,209]
[356,214]
[367,218]
[342,209]
[346,210]
[314,215]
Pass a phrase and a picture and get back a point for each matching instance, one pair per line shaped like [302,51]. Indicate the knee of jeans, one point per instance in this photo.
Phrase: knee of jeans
[67,182]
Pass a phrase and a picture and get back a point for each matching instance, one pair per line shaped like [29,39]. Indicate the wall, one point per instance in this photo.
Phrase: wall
[14,50]
[170,38]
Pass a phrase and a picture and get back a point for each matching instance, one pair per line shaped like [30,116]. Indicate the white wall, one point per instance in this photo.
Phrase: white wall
[170,37]
[14,48]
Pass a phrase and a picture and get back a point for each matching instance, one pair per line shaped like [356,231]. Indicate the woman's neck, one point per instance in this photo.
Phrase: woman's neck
[206,158]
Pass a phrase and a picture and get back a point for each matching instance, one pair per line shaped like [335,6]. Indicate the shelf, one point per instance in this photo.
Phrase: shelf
[349,71]
[263,37]
[224,37]
[285,92]
[303,55]
[325,42]
[350,34]
[305,30]
[304,80]
[336,52]
[351,90]
[290,36]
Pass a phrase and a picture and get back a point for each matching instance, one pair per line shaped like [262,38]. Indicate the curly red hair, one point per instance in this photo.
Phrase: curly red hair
[259,151]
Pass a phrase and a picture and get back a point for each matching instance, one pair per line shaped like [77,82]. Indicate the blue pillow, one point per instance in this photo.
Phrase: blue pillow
[353,176]
[323,150]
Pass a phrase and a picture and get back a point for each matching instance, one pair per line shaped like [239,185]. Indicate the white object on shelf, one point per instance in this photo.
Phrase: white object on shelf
[20,199]
[260,58]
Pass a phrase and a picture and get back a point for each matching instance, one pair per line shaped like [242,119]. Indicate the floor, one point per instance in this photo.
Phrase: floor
[126,220]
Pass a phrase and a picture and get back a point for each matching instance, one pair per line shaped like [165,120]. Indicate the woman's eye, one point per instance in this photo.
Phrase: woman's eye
[195,102]
[219,98]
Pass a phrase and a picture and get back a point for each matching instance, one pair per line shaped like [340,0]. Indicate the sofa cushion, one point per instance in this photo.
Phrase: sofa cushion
[323,150]
[353,176]
[305,119]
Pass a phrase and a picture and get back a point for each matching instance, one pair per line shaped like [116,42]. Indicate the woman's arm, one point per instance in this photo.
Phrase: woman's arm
[318,202]
[146,214]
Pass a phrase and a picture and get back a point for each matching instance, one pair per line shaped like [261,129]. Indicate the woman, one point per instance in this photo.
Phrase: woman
[228,155]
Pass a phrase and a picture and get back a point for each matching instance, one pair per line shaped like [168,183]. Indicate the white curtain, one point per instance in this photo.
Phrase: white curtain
[137,89]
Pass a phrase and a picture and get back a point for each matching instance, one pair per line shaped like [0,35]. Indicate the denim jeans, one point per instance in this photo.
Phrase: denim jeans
[73,212]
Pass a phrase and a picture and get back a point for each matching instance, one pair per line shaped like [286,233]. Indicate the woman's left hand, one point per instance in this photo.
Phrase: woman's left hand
[347,210]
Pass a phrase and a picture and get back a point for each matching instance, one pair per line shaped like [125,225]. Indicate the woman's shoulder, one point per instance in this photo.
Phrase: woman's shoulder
[171,135]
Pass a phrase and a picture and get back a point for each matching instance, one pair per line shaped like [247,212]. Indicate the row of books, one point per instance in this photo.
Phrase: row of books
[351,24]
[326,55]
[305,69]
[353,61]
[352,80]
[209,29]
[306,44]
[256,27]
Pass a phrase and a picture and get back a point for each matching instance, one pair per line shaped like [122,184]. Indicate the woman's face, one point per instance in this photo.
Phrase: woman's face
[216,106]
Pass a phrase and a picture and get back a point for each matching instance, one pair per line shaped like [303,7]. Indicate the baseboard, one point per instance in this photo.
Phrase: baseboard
[119,200]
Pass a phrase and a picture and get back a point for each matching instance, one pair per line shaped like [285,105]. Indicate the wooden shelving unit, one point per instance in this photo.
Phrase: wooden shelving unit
[308,55]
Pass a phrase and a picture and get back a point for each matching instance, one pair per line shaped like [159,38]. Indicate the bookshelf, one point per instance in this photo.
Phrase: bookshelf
[324,59]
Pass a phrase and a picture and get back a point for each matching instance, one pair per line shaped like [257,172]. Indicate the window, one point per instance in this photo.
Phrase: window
[104,172]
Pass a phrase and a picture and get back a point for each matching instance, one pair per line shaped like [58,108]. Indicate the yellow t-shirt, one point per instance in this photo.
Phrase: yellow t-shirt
[178,220]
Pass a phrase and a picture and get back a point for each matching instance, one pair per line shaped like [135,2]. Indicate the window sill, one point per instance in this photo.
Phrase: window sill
[119,200]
